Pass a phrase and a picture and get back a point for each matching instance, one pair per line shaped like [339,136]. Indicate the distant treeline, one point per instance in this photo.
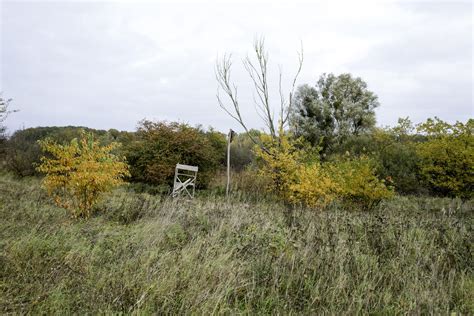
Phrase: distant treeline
[152,151]
[409,160]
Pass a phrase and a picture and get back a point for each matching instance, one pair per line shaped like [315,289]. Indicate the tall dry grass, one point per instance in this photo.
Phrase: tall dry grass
[148,254]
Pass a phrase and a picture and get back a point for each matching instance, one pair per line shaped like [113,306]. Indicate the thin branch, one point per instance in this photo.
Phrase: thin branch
[300,66]
[282,100]
[222,72]
[258,73]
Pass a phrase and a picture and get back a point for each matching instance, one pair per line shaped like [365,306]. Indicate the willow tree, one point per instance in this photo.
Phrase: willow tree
[336,108]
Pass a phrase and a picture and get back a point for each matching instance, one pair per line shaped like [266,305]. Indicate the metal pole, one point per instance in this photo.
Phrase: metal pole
[229,136]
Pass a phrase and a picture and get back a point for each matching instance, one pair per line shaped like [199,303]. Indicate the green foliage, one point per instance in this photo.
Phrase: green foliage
[23,151]
[159,146]
[393,150]
[409,256]
[397,159]
[21,155]
[242,150]
[435,159]
[447,157]
[336,108]
[218,143]
[78,174]
[438,159]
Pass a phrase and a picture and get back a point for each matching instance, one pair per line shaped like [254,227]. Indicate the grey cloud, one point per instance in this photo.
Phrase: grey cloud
[109,65]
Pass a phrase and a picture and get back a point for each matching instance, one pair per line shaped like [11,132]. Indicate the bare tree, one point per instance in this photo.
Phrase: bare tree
[4,112]
[258,72]
[4,103]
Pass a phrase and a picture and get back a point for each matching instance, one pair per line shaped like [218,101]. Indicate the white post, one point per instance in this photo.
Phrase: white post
[229,137]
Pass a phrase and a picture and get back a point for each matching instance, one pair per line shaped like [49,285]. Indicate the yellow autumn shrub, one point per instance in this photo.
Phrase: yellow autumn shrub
[313,186]
[77,174]
[295,172]
[279,163]
[357,183]
[298,177]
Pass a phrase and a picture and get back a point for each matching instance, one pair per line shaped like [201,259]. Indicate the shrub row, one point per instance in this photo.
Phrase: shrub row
[436,158]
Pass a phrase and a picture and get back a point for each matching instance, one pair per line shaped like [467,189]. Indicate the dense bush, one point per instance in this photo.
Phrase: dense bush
[279,162]
[357,183]
[77,174]
[297,176]
[313,186]
[21,154]
[447,157]
[394,153]
[398,162]
[159,146]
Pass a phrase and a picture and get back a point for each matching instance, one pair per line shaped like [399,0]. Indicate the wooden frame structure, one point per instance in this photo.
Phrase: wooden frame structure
[184,180]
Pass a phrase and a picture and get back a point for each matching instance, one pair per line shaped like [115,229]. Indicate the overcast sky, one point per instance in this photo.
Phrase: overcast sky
[110,64]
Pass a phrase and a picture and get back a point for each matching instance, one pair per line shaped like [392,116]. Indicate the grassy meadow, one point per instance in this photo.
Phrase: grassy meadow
[145,253]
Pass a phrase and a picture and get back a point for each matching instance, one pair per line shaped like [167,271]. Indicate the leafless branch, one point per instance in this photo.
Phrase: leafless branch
[258,73]
[259,76]
[290,100]
[282,100]
[222,72]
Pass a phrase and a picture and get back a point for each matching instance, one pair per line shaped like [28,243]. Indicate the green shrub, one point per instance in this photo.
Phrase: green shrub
[393,151]
[159,146]
[447,157]
[242,152]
